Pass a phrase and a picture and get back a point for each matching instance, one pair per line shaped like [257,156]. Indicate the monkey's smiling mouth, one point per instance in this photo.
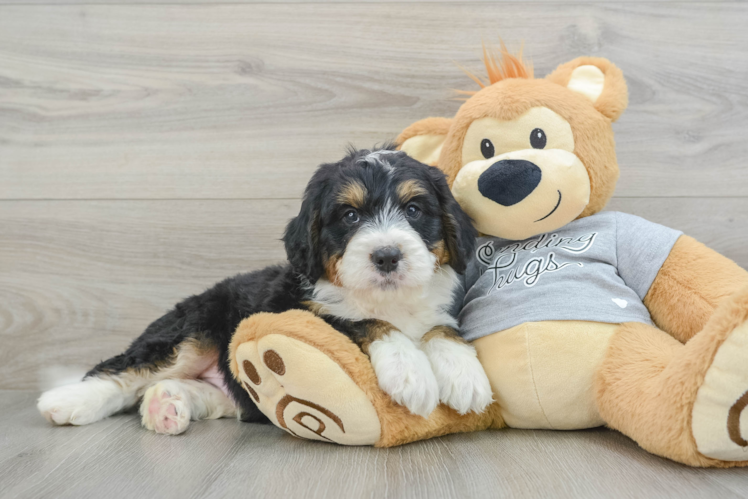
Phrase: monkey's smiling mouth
[554,208]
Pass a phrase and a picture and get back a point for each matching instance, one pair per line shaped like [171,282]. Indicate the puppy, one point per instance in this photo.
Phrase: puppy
[375,251]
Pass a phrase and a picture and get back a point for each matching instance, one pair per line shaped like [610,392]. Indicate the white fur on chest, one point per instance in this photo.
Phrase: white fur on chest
[414,311]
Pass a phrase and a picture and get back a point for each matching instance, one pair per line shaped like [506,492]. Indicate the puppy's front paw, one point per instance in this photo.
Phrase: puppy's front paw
[404,372]
[463,384]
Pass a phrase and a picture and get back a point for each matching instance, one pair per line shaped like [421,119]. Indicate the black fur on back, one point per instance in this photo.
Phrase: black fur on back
[211,318]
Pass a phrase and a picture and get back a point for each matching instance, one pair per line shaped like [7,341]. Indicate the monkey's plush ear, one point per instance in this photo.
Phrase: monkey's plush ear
[598,79]
[423,139]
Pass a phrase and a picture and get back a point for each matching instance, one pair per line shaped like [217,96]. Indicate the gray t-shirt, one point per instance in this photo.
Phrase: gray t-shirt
[597,268]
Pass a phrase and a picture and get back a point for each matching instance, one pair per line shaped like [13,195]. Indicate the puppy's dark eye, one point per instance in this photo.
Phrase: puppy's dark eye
[487,149]
[537,138]
[412,211]
[351,216]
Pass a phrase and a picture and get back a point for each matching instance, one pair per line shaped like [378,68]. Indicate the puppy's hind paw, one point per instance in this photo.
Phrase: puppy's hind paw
[164,410]
[81,403]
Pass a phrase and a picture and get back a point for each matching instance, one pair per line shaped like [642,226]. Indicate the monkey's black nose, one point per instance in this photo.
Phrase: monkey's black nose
[508,182]
[385,259]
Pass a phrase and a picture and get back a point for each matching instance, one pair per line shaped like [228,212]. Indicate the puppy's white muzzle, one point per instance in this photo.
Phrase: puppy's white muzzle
[360,267]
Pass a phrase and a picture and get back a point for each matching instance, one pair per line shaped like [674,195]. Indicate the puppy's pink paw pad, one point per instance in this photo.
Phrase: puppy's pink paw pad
[154,407]
[169,420]
[166,414]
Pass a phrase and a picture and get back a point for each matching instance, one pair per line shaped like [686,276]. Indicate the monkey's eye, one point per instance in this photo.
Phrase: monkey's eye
[412,211]
[351,216]
[487,149]
[537,138]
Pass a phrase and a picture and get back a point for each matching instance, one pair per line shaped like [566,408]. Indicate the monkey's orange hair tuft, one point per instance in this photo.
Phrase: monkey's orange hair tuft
[500,65]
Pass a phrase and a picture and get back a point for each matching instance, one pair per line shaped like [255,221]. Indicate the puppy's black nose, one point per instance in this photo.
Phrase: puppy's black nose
[508,182]
[385,259]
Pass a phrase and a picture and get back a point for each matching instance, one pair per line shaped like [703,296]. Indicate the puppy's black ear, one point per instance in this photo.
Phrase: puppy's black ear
[302,234]
[459,233]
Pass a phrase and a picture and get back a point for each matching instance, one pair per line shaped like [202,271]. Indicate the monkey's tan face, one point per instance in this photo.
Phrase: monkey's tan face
[521,177]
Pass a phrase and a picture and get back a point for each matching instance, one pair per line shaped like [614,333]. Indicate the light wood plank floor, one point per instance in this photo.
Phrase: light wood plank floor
[226,458]
[151,147]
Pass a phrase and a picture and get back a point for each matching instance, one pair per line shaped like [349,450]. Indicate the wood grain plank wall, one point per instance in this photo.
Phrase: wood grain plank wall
[147,151]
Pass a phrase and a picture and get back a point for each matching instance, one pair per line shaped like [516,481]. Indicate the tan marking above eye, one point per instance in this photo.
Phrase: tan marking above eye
[409,189]
[353,194]
[514,135]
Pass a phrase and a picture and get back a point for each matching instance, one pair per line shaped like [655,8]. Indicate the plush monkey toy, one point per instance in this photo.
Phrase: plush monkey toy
[580,318]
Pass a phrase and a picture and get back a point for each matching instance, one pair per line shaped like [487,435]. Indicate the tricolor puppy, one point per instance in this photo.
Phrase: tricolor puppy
[375,251]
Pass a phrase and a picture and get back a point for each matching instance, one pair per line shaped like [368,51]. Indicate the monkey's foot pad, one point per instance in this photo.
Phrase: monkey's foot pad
[720,413]
[301,389]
